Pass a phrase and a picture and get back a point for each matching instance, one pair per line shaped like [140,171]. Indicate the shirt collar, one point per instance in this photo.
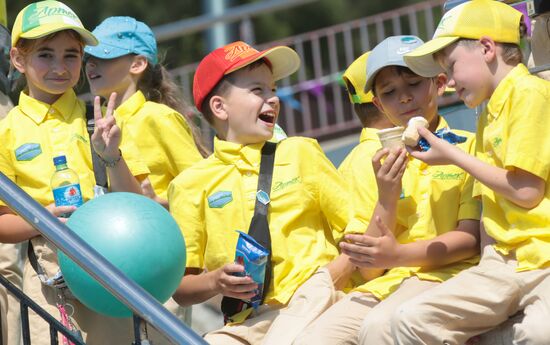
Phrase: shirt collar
[504,89]
[368,134]
[238,154]
[130,106]
[37,110]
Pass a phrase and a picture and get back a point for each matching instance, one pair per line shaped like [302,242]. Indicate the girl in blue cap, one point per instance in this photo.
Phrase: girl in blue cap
[125,61]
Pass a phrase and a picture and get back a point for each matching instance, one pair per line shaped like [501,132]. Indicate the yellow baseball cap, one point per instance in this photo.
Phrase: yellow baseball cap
[473,20]
[356,75]
[42,18]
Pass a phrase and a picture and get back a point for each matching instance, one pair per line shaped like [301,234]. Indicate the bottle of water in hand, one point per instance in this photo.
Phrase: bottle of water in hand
[65,184]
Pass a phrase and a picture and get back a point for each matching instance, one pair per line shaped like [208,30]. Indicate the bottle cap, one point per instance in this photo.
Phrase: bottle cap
[59,160]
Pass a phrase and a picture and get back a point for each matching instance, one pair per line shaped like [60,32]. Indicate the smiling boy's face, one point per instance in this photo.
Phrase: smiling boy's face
[250,107]
[401,95]
[468,72]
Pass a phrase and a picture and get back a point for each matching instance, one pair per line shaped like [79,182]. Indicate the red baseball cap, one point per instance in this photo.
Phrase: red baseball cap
[283,60]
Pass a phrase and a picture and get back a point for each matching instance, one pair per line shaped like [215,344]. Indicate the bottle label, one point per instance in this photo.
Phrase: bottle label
[68,195]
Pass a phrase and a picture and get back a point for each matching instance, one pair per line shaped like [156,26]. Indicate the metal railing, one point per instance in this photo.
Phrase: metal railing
[314,101]
[110,277]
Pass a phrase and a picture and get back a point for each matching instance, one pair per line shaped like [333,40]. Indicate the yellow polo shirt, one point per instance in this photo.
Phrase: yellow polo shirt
[34,132]
[433,200]
[354,168]
[162,136]
[514,132]
[216,196]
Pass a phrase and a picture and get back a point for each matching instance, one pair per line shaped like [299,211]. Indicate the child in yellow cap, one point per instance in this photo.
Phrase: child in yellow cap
[370,117]
[476,43]
[234,87]
[413,226]
[47,47]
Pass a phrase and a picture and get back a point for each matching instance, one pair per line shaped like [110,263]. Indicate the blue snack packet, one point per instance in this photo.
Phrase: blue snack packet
[253,256]
[445,134]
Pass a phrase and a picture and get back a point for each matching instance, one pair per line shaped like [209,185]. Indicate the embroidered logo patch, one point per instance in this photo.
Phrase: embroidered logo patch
[440,175]
[220,199]
[280,185]
[27,152]
[497,141]
[79,137]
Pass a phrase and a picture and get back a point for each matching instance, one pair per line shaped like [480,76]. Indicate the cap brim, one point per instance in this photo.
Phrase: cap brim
[46,29]
[421,60]
[284,61]
[106,52]
[370,80]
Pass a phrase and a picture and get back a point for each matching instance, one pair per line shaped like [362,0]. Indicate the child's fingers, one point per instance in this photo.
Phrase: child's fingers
[111,106]
[97,115]
[399,162]
[376,159]
[426,134]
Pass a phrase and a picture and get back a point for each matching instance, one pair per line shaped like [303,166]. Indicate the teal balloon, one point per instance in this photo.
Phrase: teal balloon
[136,235]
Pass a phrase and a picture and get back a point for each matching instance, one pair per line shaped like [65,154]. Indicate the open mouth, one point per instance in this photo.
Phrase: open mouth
[268,117]
[93,76]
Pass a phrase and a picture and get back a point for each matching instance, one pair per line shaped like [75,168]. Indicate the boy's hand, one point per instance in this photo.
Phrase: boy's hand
[60,211]
[106,137]
[440,153]
[373,252]
[230,285]
[389,173]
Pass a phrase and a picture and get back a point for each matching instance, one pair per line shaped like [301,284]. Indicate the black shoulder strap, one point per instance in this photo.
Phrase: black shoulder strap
[100,172]
[259,228]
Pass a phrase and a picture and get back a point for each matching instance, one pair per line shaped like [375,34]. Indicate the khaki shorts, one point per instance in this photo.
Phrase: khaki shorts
[280,325]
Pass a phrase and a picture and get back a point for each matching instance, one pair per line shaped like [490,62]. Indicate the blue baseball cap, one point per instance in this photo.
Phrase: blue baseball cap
[119,36]
[389,52]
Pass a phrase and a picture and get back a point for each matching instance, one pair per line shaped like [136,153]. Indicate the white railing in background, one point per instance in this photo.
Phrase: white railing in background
[314,101]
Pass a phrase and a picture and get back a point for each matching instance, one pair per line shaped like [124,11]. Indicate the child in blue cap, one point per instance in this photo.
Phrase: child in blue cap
[125,61]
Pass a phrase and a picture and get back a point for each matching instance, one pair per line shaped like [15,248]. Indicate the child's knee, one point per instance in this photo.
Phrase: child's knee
[532,332]
[375,326]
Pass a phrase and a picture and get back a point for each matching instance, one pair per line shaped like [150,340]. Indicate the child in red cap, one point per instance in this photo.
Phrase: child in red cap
[307,209]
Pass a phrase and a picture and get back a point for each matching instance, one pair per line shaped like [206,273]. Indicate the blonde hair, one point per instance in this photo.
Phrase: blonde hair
[158,86]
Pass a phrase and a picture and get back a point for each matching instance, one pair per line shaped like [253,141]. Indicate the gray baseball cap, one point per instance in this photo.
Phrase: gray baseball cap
[389,52]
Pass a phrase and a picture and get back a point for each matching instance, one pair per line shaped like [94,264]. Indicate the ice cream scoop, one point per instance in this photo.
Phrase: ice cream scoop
[410,135]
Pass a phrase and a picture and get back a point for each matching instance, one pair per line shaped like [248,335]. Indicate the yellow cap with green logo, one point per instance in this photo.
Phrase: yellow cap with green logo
[356,75]
[471,20]
[42,18]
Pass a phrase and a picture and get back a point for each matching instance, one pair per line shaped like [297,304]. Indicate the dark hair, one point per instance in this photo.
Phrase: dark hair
[401,70]
[158,86]
[367,113]
[223,85]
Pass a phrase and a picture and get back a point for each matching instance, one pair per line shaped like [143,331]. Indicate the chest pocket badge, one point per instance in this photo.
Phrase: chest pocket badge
[27,152]
[220,199]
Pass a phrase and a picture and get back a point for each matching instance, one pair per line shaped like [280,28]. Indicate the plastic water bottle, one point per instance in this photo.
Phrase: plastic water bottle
[65,184]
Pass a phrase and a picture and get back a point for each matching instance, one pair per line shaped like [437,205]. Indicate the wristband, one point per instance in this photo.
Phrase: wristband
[111,163]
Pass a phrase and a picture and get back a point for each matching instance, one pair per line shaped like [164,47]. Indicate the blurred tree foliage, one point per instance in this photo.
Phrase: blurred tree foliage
[192,47]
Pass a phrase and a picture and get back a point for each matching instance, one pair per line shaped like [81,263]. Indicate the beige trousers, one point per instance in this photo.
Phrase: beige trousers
[360,318]
[279,326]
[96,329]
[477,300]
[11,268]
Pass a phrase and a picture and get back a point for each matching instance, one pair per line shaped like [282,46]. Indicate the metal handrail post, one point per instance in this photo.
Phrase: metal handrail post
[110,277]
